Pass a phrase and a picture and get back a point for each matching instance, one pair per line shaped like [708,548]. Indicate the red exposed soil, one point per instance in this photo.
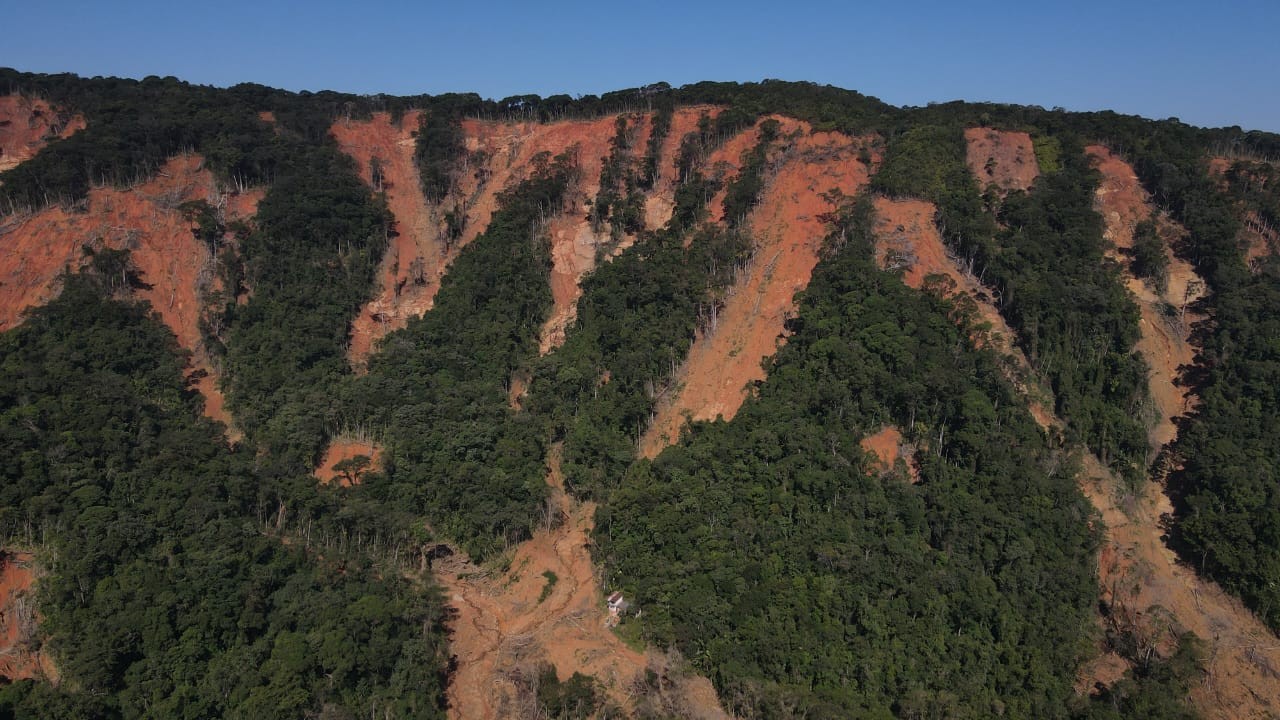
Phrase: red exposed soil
[1218,167]
[27,125]
[787,235]
[1004,158]
[575,245]
[908,239]
[1260,238]
[501,154]
[725,161]
[178,268]
[345,448]
[573,255]
[1123,203]
[505,625]
[659,204]
[20,653]
[1146,587]
[1144,584]
[413,264]
[888,448]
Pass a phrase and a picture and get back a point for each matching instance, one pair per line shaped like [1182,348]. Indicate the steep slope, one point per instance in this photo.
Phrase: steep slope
[787,232]
[1260,238]
[499,155]
[1166,320]
[1143,583]
[1002,158]
[176,269]
[27,124]
[660,202]
[413,264]
[343,448]
[576,245]
[545,607]
[20,654]
[1144,588]
[889,448]
[907,239]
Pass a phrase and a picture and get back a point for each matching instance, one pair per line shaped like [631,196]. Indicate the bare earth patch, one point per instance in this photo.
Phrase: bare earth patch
[787,234]
[1003,158]
[907,239]
[28,124]
[1144,584]
[20,648]
[345,448]
[144,219]
[888,448]
[1166,322]
[507,623]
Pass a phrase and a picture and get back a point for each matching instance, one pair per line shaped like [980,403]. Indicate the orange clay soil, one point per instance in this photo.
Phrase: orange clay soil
[908,239]
[1260,238]
[178,268]
[345,448]
[28,124]
[575,245]
[1001,157]
[501,155]
[1146,587]
[787,235]
[1143,583]
[20,655]
[660,203]
[505,625]
[1123,203]
[888,448]
[415,260]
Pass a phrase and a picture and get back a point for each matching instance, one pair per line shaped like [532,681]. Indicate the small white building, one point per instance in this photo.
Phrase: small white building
[618,605]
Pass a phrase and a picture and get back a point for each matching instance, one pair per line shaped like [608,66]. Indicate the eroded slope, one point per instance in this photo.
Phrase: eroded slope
[1143,582]
[1003,158]
[787,234]
[21,657]
[1166,317]
[176,268]
[27,125]
[546,607]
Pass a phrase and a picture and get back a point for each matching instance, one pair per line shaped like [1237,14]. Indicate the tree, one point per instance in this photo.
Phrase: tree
[353,468]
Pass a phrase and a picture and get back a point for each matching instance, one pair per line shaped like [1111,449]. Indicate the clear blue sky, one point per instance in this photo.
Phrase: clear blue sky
[1208,63]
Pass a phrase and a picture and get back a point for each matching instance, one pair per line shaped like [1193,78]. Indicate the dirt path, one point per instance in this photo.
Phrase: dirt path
[508,623]
[787,235]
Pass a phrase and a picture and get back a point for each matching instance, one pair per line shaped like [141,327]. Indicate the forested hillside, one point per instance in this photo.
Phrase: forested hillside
[900,516]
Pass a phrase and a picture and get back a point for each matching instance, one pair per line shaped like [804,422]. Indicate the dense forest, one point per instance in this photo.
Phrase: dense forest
[182,580]
[191,577]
